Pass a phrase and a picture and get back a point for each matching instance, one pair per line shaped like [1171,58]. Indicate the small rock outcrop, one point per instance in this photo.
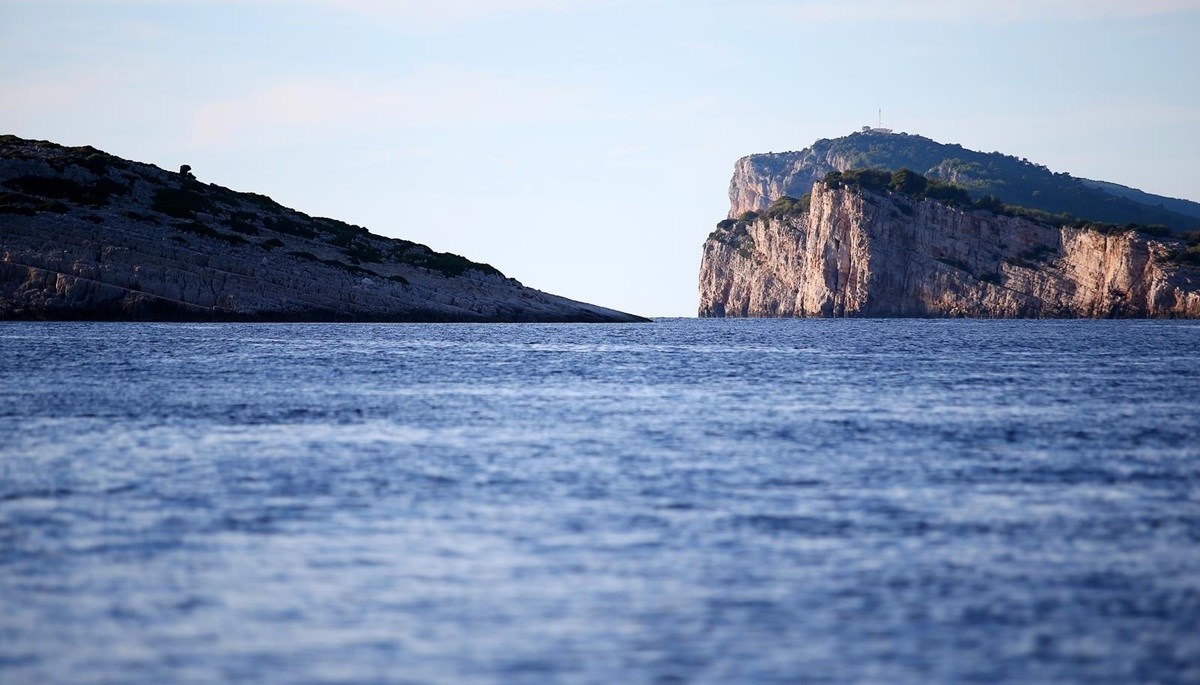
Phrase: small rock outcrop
[865,253]
[86,235]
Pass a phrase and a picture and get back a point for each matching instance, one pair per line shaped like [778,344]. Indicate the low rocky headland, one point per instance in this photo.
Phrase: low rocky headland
[85,235]
[874,243]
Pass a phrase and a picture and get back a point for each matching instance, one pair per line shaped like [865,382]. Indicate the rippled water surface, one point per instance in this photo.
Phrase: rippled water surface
[678,502]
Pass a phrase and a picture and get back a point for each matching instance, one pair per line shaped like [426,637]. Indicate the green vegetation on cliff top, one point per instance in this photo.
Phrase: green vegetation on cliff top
[915,186]
[1013,180]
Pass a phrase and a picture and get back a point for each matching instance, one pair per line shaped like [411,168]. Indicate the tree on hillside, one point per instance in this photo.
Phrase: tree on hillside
[908,182]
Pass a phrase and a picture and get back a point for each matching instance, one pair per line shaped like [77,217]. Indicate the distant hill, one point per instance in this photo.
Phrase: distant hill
[1171,204]
[87,235]
[761,179]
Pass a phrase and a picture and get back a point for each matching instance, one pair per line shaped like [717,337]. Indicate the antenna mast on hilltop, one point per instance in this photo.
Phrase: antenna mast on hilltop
[879,128]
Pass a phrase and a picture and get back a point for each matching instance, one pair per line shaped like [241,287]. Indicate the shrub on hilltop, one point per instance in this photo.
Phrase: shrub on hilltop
[905,182]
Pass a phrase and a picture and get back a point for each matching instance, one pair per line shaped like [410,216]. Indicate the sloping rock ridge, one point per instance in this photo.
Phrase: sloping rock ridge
[760,179]
[863,253]
[87,235]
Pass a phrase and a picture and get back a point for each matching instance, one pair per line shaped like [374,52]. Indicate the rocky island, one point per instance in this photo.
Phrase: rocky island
[899,243]
[88,235]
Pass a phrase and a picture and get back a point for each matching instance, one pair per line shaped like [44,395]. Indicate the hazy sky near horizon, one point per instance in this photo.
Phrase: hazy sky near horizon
[585,146]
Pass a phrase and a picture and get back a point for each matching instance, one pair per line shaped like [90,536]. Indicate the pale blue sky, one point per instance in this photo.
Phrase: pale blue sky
[585,146]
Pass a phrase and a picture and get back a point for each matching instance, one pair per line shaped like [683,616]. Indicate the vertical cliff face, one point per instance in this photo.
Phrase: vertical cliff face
[862,253]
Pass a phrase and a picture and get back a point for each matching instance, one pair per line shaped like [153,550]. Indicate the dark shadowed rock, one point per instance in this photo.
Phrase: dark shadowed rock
[86,235]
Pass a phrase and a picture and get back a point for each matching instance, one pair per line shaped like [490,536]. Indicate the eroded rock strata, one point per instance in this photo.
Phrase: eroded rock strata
[86,235]
[864,253]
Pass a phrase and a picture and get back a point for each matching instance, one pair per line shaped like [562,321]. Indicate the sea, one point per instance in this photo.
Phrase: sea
[683,501]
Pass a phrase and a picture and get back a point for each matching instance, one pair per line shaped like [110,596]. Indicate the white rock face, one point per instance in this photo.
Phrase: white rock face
[84,235]
[759,180]
[861,253]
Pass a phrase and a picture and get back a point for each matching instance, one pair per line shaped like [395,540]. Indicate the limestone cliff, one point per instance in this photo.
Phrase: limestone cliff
[864,253]
[86,235]
[758,180]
